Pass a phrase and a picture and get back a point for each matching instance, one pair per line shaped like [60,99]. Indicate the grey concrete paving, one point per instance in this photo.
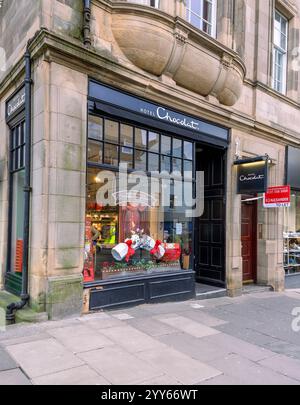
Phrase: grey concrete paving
[292,281]
[253,339]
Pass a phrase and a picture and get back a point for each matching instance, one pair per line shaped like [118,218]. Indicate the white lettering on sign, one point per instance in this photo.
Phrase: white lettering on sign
[251,177]
[164,115]
[15,103]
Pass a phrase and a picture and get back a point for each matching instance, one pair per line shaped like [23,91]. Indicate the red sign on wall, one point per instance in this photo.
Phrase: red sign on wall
[279,196]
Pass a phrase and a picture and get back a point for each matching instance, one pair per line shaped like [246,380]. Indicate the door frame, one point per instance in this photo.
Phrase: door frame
[254,235]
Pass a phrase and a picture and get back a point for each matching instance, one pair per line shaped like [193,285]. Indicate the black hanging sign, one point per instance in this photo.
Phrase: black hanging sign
[252,175]
[15,104]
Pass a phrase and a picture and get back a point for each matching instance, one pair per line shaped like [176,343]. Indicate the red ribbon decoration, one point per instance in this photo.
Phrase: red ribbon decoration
[155,249]
[131,251]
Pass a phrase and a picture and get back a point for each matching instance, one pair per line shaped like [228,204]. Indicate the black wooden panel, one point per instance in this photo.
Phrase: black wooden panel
[169,289]
[127,292]
[117,295]
[210,228]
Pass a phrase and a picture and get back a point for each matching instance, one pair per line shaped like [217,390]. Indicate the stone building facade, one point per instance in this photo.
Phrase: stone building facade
[217,67]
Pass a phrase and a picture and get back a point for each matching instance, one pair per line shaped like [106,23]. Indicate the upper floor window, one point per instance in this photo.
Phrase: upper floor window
[202,14]
[280,48]
[151,3]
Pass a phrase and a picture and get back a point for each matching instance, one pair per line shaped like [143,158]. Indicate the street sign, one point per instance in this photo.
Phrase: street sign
[279,196]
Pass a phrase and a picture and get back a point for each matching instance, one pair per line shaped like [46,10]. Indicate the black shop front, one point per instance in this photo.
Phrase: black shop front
[155,201]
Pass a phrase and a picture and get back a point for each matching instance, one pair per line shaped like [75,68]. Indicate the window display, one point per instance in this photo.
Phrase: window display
[291,235]
[132,230]
[17,163]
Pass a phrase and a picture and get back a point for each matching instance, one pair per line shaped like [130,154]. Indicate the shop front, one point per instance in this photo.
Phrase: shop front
[291,234]
[155,205]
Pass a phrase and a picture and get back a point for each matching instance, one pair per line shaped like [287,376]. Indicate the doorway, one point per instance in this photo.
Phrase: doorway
[249,240]
[210,227]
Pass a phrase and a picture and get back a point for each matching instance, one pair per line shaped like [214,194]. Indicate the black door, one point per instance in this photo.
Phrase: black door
[210,227]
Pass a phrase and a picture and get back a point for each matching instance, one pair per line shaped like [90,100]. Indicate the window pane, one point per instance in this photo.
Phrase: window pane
[127,156]
[17,222]
[111,154]
[165,145]
[140,138]
[95,127]
[95,152]
[111,131]
[153,165]
[207,28]
[188,169]
[140,160]
[126,135]
[177,147]
[177,165]
[283,42]
[165,164]
[153,142]
[207,10]
[188,150]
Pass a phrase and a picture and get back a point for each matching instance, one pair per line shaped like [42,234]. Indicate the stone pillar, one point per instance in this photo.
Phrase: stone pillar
[263,41]
[293,82]
[4,133]
[234,269]
[58,201]
[225,15]
[270,245]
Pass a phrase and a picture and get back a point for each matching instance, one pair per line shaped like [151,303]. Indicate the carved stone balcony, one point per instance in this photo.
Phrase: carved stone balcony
[169,46]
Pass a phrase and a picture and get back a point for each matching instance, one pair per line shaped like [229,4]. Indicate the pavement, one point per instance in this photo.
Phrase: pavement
[252,339]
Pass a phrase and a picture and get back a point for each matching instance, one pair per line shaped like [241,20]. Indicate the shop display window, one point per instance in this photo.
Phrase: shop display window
[139,235]
[291,235]
[17,164]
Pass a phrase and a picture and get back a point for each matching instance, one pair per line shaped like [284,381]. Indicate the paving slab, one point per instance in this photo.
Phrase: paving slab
[161,380]
[80,338]
[152,327]
[43,357]
[198,349]
[248,372]
[221,380]
[179,366]
[6,362]
[120,367]
[204,318]
[283,365]
[99,324]
[232,344]
[83,375]
[131,339]
[286,348]
[187,325]
[13,377]
[24,339]
[247,334]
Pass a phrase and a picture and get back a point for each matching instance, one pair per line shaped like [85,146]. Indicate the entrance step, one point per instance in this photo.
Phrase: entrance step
[204,292]
[26,315]
[254,288]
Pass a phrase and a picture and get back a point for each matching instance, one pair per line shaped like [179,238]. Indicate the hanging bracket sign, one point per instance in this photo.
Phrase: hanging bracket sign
[252,175]
[276,197]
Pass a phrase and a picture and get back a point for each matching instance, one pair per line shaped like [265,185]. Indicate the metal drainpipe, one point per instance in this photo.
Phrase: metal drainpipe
[87,23]
[15,306]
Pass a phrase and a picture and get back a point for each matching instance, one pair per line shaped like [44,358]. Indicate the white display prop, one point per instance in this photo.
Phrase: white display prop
[120,251]
[147,243]
[160,253]
[138,240]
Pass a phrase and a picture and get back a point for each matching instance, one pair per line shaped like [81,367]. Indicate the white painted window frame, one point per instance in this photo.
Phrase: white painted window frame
[284,52]
[147,2]
[213,22]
